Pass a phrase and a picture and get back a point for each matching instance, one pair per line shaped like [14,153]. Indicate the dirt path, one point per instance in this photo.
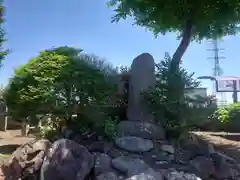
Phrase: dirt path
[10,140]
[227,143]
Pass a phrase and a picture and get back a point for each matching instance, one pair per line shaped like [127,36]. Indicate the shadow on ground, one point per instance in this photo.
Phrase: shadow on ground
[8,149]
[11,126]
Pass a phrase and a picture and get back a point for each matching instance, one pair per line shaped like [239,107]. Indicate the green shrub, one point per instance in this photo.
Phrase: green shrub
[234,113]
[117,103]
[227,118]
[221,115]
[177,115]
[49,129]
[48,132]
[65,82]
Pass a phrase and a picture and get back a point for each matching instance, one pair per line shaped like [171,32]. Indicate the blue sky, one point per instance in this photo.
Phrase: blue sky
[34,25]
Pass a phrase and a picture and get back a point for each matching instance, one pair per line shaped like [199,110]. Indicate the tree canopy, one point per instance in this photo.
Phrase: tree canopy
[194,20]
[3,52]
[208,19]
[57,81]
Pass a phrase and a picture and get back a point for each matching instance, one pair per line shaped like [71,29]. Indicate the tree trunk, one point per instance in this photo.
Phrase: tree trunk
[186,38]
[6,120]
[176,86]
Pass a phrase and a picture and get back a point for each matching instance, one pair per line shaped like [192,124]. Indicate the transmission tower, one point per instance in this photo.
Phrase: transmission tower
[217,70]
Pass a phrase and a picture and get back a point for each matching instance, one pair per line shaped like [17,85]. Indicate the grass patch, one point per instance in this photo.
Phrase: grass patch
[4,155]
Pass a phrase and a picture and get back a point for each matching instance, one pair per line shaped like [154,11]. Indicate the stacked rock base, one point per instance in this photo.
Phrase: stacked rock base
[65,159]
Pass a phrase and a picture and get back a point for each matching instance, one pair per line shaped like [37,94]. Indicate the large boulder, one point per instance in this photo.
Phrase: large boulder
[173,174]
[204,166]
[66,160]
[102,164]
[142,78]
[100,146]
[144,130]
[109,176]
[129,166]
[223,169]
[134,144]
[26,161]
[148,174]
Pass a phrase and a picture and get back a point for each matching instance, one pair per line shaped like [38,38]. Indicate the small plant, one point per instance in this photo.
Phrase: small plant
[110,128]
[49,129]
[4,155]
[47,132]
[221,115]
[84,130]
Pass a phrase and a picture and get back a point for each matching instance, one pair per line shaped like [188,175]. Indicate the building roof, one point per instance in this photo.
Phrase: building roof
[220,78]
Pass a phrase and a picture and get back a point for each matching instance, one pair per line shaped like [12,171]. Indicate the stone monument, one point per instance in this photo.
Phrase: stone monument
[136,133]
[142,78]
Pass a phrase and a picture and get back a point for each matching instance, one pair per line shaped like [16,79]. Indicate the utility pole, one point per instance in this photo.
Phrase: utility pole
[217,70]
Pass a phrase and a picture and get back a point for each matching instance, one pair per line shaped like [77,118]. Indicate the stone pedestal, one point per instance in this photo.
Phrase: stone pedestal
[137,134]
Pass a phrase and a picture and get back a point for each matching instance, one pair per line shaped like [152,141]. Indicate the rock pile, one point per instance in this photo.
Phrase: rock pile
[140,152]
[67,160]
